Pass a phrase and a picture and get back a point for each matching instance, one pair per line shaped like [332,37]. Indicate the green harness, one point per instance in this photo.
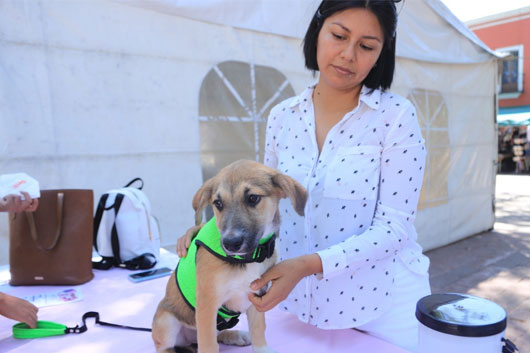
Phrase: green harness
[210,238]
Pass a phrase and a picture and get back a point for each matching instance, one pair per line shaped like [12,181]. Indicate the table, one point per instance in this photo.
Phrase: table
[121,301]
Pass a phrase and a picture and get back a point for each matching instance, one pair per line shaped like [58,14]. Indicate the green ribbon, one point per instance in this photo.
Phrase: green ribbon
[43,329]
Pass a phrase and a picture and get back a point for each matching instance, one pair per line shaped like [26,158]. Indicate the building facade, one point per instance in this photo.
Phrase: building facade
[509,32]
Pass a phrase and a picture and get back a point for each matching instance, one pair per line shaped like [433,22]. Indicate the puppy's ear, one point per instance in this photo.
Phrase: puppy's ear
[292,189]
[201,199]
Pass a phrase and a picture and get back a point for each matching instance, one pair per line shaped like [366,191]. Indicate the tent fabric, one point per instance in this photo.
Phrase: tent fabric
[441,43]
[514,119]
[94,93]
[456,112]
[514,116]
[281,17]
[430,32]
[446,14]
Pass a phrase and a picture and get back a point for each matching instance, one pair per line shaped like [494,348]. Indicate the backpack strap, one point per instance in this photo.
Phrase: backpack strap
[114,240]
[132,181]
[142,262]
[107,261]
[97,217]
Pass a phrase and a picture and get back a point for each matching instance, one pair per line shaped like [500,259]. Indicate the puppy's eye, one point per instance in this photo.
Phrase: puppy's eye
[253,200]
[218,204]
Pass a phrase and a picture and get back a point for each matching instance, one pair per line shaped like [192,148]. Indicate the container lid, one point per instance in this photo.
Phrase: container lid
[461,315]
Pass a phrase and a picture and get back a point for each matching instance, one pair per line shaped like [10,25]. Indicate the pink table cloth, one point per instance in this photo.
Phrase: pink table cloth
[121,301]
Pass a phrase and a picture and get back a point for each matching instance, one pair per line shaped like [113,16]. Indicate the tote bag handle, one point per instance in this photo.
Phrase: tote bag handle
[33,229]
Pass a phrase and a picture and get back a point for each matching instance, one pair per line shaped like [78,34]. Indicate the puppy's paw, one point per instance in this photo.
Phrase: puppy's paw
[234,338]
[265,349]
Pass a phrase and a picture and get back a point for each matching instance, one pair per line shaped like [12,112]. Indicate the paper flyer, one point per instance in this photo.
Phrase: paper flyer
[15,183]
[55,298]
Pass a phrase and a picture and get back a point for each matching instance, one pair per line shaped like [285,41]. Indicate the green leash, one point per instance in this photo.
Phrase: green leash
[49,328]
[43,329]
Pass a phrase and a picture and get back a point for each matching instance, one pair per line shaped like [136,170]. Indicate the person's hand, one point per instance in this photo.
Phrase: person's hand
[283,276]
[18,310]
[183,243]
[14,203]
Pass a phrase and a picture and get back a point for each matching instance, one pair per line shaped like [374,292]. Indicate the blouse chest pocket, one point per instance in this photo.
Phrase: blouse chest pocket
[353,174]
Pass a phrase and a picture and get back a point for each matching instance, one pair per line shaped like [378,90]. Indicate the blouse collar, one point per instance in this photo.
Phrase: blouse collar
[370,97]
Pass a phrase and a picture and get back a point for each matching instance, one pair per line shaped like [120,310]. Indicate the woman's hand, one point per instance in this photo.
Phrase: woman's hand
[18,310]
[183,243]
[284,277]
[14,203]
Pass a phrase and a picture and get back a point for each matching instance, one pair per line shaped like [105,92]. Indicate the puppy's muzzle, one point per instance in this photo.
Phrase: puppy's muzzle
[233,245]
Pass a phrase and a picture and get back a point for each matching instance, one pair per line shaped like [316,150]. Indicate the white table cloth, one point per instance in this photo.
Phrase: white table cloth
[121,301]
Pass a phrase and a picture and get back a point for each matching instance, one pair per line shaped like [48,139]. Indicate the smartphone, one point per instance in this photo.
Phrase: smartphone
[150,274]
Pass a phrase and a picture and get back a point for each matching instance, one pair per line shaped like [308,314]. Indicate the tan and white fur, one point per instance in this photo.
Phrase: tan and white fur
[244,196]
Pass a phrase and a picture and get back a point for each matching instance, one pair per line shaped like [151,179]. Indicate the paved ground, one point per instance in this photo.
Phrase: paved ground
[495,265]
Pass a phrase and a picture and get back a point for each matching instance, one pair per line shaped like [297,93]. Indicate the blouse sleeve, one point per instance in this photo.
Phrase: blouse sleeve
[402,168]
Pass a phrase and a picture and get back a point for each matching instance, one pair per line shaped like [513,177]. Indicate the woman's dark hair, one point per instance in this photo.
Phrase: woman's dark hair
[382,73]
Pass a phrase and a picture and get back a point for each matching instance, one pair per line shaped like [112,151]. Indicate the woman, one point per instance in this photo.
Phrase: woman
[359,152]
[353,260]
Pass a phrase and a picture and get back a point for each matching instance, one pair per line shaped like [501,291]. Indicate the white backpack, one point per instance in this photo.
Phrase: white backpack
[125,233]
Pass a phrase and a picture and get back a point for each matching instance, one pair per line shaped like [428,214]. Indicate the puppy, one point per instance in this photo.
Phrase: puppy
[244,196]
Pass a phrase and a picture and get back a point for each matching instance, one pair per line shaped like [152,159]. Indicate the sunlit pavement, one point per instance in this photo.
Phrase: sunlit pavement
[495,265]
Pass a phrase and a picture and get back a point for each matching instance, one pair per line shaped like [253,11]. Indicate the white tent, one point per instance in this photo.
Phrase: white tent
[96,92]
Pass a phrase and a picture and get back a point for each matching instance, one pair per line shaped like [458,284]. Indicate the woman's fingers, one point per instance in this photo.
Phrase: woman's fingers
[183,243]
[272,298]
[18,309]
[15,202]
[33,205]
[27,204]
[182,250]
[31,318]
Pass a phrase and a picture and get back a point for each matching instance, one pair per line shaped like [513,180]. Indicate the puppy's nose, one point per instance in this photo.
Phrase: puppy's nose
[233,244]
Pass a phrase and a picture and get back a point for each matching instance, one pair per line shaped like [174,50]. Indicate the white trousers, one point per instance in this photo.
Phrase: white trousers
[399,325]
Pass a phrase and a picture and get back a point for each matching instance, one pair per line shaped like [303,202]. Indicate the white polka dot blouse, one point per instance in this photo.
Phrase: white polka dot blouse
[363,194]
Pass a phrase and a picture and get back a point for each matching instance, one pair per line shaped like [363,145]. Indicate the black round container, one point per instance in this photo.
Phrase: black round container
[461,315]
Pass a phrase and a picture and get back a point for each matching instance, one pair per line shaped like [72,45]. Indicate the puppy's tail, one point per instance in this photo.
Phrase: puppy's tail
[188,349]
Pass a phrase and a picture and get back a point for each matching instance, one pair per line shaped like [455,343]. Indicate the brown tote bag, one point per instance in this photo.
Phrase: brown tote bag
[53,245]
